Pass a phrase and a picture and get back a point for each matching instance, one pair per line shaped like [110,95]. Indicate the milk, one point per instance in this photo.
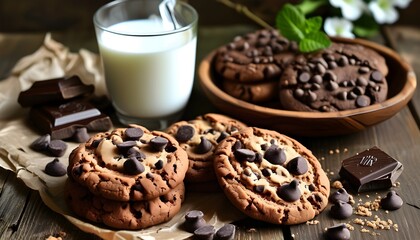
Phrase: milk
[148,76]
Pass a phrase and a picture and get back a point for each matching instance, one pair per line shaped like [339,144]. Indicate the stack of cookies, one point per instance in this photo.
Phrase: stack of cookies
[264,68]
[130,178]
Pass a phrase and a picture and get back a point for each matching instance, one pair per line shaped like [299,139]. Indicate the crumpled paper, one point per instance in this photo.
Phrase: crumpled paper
[52,60]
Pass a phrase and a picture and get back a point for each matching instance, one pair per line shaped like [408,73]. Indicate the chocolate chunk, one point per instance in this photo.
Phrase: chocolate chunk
[170,148]
[341,210]
[158,143]
[297,166]
[194,220]
[204,146]
[371,169]
[331,85]
[222,136]
[289,192]
[304,77]
[95,143]
[244,154]
[41,143]
[330,76]
[134,152]
[275,155]
[184,133]
[125,146]
[298,93]
[364,69]
[392,201]
[53,91]
[343,61]
[62,120]
[159,164]
[57,148]
[259,188]
[205,232]
[133,134]
[55,168]
[342,95]
[376,76]
[340,195]
[81,135]
[338,232]
[227,232]
[361,81]
[362,101]
[237,145]
[266,172]
[132,166]
[317,79]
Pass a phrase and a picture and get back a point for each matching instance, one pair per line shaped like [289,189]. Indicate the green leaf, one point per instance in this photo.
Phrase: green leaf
[291,22]
[313,42]
[313,24]
[309,6]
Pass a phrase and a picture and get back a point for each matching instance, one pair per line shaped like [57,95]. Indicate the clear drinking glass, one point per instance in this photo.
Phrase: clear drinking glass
[148,53]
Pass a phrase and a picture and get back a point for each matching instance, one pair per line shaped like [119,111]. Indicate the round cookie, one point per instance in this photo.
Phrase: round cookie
[199,138]
[271,177]
[335,79]
[129,164]
[131,215]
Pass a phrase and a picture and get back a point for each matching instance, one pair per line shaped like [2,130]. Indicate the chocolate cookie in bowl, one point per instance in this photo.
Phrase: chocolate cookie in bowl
[250,65]
[342,77]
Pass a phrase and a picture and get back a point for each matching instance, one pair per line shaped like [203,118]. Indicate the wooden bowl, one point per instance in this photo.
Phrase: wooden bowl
[401,85]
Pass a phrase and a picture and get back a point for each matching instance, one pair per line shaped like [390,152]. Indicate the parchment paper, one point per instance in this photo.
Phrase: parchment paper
[52,60]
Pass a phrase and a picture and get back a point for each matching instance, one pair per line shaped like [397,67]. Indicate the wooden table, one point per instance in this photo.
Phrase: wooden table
[24,216]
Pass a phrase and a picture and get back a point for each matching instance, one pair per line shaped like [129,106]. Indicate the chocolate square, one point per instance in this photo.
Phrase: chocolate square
[371,169]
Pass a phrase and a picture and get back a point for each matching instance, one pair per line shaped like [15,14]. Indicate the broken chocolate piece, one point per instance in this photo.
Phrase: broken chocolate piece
[392,201]
[55,168]
[57,148]
[194,220]
[81,135]
[205,232]
[53,90]
[338,232]
[62,120]
[227,232]
[41,143]
[371,169]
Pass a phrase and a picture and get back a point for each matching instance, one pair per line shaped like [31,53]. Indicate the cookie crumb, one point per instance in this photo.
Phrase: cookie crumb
[337,184]
[251,230]
[350,227]
[312,222]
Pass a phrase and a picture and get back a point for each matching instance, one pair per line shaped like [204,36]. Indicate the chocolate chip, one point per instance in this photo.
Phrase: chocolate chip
[311,96]
[316,79]
[358,90]
[298,93]
[330,76]
[78,170]
[133,134]
[55,168]
[364,69]
[297,166]
[315,86]
[135,153]
[237,145]
[304,77]
[95,143]
[158,143]
[194,220]
[266,172]
[392,201]
[376,76]
[275,155]
[222,136]
[332,85]
[343,61]
[125,146]
[341,210]
[205,232]
[243,154]
[81,135]
[204,146]
[227,232]
[342,95]
[351,95]
[137,187]
[259,188]
[159,164]
[338,232]
[328,56]
[362,101]
[320,68]
[258,157]
[184,133]
[41,143]
[289,192]
[170,148]
[132,166]
[361,81]
[269,71]
[57,148]
[332,65]
[340,195]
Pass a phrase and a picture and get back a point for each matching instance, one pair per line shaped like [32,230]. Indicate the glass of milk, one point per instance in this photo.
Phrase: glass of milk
[148,50]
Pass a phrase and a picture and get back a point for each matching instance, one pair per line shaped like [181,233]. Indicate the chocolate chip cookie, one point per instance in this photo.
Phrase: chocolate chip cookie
[253,62]
[129,164]
[199,138]
[341,77]
[271,177]
[123,214]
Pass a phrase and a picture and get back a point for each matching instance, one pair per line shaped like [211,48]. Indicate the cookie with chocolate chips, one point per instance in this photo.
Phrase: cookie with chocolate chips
[342,77]
[271,177]
[250,65]
[129,164]
[132,215]
[199,138]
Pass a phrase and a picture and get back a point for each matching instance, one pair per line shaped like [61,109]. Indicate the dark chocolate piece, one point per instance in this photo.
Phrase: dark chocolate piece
[341,210]
[340,195]
[297,166]
[53,90]
[81,135]
[184,133]
[392,201]
[338,232]
[194,220]
[289,192]
[205,232]
[222,136]
[125,146]
[204,146]
[227,232]
[41,143]
[275,155]
[62,120]
[158,143]
[55,168]
[135,153]
[57,148]
[133,134]
[371,169]
[133,166]
[243,154]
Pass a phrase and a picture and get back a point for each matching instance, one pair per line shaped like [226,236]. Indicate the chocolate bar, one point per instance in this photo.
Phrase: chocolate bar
[54,90]
[62,120]
[371,169]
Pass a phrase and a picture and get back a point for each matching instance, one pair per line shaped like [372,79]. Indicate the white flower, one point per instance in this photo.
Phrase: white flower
[338,27]
[401,3]
[383,11]
[350,9]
